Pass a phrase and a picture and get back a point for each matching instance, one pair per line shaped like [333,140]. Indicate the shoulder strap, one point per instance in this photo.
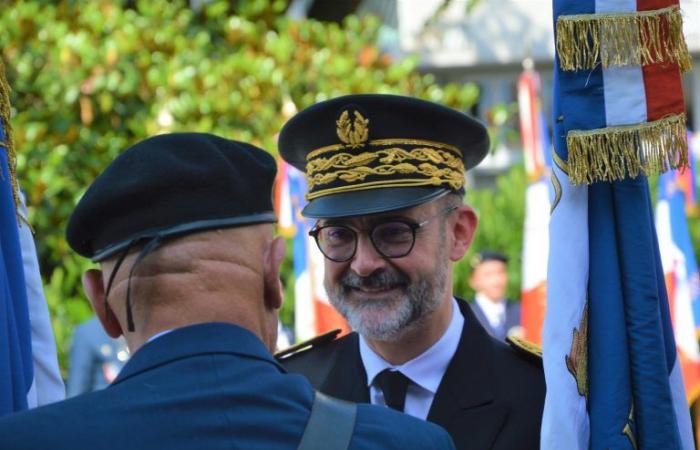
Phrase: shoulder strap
[526,348]
[331,424]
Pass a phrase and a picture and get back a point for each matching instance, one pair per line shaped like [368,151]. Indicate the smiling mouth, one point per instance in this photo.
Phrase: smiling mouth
[373,290]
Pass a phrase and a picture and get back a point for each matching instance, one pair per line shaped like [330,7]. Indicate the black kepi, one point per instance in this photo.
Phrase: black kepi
[371,153]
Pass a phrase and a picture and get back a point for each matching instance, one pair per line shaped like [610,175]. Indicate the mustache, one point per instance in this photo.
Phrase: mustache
[378,279]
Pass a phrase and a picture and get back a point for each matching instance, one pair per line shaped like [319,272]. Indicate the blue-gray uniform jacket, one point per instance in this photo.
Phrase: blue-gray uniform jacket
[208,386]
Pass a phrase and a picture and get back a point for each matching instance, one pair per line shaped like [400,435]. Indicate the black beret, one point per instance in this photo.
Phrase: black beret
[169,185]
[370,153]
[488,255]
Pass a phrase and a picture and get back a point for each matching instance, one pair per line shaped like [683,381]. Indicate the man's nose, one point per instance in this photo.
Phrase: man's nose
[366,259]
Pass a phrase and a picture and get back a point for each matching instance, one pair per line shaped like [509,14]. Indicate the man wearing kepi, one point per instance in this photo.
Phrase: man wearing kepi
[386,178]
[182,226]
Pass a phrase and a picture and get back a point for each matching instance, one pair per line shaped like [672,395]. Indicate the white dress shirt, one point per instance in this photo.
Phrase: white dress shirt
[495,312]
[425,370]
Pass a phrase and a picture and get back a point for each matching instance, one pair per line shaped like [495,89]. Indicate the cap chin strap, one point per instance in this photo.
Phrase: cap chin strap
[152,245]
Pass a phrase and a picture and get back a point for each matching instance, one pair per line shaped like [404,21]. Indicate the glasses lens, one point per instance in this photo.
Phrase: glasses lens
[393,239]
[337,243]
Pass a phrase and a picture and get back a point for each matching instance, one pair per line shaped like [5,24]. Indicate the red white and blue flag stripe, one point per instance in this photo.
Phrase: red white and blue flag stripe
[313,313]
[682,276]
[537,156]
[613,375]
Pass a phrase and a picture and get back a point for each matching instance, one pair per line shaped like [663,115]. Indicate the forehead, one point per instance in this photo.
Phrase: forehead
[490,265]
[413,213]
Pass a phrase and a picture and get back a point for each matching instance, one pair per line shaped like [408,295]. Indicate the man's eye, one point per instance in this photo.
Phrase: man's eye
[337,235]
[393,233]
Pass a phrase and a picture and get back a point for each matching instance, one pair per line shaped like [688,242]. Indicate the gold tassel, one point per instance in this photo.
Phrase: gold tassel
[7,128]
[614,153]
[624,39]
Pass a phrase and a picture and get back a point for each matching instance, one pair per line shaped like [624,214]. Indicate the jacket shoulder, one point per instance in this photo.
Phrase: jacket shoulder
[309,344]
[526,349]
[315,358]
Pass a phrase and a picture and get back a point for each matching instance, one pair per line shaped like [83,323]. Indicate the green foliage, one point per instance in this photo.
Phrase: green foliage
[501,215]
[90,77]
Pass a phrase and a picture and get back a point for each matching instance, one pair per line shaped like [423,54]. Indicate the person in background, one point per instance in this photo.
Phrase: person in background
[95,358]
[182,228]
[489,279]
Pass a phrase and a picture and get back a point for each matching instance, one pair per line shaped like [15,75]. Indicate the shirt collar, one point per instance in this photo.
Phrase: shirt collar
[159,334]
[494,311]
[426,369]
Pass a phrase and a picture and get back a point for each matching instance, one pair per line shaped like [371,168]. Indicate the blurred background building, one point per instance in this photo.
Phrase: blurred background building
[485,42]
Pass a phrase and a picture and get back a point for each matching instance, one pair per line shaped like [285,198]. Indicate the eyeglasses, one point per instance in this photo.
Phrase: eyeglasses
[392,239]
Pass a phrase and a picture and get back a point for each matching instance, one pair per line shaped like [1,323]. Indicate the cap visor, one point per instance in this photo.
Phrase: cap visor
[371,201]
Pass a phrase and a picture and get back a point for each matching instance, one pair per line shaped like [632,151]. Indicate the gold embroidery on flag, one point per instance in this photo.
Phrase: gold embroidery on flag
[627,430]
[577,359]
[640,38]
[556,184]
[615,153]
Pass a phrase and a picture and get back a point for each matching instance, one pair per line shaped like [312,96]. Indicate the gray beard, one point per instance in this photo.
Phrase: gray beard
[389,318]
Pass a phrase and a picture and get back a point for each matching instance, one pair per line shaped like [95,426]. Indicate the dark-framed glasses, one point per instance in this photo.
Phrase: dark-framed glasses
[392,239]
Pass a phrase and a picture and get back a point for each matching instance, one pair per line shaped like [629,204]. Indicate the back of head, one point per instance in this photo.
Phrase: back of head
[176,197]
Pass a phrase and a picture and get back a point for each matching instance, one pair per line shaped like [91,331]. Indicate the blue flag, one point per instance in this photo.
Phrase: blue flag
[613,375]
[16,366]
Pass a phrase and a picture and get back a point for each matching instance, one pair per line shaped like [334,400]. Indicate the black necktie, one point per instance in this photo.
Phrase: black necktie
[393,384]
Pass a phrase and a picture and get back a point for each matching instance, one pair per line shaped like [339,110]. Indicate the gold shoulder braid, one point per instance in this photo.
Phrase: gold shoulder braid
[527,348]
[359,163]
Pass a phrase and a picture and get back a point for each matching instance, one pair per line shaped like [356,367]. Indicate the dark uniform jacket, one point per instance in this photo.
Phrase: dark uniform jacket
[491,396]
[209,386]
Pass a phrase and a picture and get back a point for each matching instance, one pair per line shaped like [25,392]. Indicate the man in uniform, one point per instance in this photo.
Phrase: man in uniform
[95,358]
[182,226]
[489,279]
[386,176]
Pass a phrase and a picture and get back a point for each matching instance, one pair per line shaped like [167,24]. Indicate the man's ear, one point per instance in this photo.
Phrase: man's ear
[93,283]
[272,260]
[463,232]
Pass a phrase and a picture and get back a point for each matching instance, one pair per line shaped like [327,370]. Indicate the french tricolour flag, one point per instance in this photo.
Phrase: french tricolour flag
[16,366]
[612,371]
[313,314]
[537,156]
[682,275]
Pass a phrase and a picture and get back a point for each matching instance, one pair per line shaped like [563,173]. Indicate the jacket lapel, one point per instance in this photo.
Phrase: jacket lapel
[347,378]
[465,400]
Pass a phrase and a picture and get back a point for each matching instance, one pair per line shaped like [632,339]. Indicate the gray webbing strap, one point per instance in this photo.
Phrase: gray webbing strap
[330,426]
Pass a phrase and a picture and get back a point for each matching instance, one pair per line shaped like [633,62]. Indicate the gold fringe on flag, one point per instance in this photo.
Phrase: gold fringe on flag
[614,153]
[639,38]
[8,143]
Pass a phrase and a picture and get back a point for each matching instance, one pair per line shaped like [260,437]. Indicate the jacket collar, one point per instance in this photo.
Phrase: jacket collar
[196,340]
[347,378]
[468,381]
